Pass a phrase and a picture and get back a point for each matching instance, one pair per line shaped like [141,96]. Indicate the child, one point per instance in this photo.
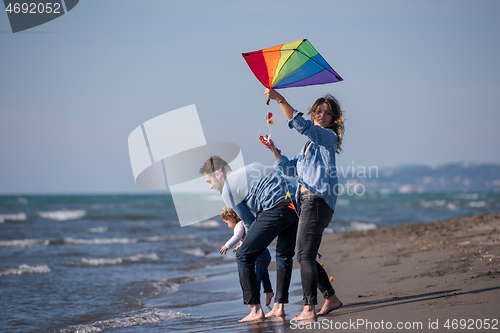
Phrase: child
[233,221]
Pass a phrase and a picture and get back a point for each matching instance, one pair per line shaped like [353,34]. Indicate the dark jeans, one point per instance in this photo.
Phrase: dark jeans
[315,215]
[261,271]
[278,222]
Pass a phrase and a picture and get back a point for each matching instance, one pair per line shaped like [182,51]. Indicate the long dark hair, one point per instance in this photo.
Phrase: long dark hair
[337,124]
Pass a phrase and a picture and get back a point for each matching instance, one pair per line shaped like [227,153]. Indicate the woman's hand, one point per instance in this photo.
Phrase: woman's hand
[223,249]
[266,140]
[273,94]
[285,107]
[270,144]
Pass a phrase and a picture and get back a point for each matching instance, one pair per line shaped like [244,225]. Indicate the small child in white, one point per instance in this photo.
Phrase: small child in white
[233,221]
[239,232]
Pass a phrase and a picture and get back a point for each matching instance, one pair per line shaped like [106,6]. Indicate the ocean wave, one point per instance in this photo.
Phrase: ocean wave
[451,206]
[97,241]
[362,226]
[206,224]
[98,230]
[328,231]
[353,226]
[454,205]
[197,252]
[13,217]
[126,217]
[92,241]
[24,243]
[63,215]
[135,318]
[139,257]
[110,241]
[477,204]
[433,203]
[468,196]
[164,287]
[167,238]
[170,286]
[115,261]
[25,269]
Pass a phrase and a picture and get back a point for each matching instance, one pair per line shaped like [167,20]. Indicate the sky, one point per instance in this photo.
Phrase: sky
[420,83]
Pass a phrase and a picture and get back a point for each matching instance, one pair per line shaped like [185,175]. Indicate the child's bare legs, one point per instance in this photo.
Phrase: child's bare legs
[262,273]
[256,313]
[277,311]
[269,297]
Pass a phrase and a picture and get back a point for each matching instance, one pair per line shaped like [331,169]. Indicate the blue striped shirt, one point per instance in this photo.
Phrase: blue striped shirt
[255,188]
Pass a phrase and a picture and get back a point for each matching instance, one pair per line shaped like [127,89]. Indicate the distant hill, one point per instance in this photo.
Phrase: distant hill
[459,177]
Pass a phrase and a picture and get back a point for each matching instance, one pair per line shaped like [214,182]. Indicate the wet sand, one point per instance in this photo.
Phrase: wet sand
[425,277]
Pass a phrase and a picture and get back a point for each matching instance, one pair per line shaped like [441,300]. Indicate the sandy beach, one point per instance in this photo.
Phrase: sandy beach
[427,277]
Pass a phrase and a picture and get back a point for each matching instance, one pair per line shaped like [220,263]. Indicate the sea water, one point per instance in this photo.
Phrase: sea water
[122,263]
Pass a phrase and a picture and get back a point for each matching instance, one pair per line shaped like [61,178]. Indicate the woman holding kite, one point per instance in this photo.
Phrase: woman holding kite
[315,168]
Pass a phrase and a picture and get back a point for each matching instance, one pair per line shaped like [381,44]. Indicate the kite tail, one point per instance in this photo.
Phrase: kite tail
[322,265]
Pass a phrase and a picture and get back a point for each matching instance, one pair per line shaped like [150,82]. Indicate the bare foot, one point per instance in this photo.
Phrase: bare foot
[277,319]
[256,313]
[308,313]
[277,311]
[331,303]
[269,297]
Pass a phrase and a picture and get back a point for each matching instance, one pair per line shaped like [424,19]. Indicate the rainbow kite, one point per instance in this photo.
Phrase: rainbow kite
[294,64]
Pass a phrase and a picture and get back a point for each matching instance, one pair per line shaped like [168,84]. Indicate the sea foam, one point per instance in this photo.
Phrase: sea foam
[135,318]
[21,243]
[25,269]
[477,204]
[115,261]
[353,226]
[433,203]
[98,241]
[170,286]
[24,243]
[197,252]
[98,230]
[164,287]
[63,215]
[13,217]
[109,241]
[206,224]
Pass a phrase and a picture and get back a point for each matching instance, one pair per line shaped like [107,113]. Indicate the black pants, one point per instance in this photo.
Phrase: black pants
[315,215]
[280,222]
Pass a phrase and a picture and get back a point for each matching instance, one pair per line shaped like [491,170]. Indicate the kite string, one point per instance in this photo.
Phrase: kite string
[260,126]
[292,206]
[268,123]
